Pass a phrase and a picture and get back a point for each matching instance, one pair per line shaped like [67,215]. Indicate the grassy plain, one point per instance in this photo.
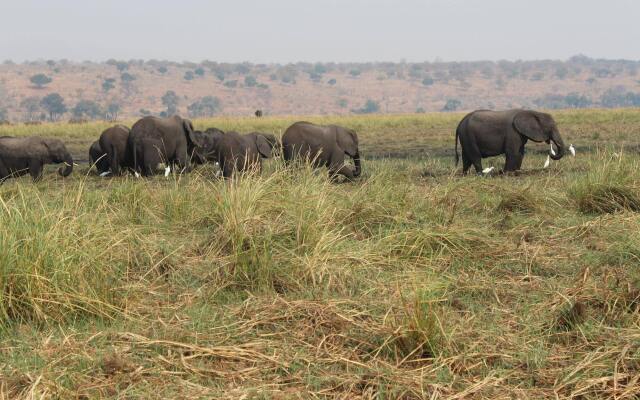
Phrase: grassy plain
[412,282]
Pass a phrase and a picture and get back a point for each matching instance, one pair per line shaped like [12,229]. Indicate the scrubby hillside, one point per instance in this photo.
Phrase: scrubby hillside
[133,88]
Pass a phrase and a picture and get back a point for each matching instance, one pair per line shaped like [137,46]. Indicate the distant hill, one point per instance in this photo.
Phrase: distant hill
[124,89]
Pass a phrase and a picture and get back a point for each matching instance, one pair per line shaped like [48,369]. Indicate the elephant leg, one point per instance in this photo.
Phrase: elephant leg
[337,166]
[466,164]
[181,159]
[4,171]
[471,152]
[35,169]
[513,159]
[150,160]
[227,170]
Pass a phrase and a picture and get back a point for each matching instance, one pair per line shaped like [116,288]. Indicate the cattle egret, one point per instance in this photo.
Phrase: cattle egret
[487,170]
[553,152]
[136,174]
[572,150]
[105,173]
[546,163]
[167,171]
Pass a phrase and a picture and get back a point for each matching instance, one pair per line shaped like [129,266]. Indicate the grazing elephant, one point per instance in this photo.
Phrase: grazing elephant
[28,154]
[114,143]
[98,157]
[154,140]
[206,143]
[485,133]
[324,145]
[236,152]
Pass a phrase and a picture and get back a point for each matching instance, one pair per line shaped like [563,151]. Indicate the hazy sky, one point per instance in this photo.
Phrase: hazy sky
[321,30]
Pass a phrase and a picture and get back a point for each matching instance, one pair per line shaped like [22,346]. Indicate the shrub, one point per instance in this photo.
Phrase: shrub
[40,80]
[452,105]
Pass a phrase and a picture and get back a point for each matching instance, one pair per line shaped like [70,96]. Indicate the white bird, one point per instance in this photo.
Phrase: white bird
[137,175]
[546,163]
[487,170]
[167,171]
[553,152]
[572,150]
[105,173]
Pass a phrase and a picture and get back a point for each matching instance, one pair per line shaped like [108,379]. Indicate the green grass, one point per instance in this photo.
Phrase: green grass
[412,282]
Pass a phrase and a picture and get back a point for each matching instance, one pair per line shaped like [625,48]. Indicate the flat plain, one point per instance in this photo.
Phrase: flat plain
[411,282]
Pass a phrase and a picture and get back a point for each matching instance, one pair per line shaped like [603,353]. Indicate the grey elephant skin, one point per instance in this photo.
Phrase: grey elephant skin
[154,140]
[238,153]
[206,145]
[114,142]
[21,155]
[324,145]
[485,133]
[98,157]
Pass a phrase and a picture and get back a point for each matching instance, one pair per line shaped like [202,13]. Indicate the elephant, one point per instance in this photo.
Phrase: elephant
[19,155]
[114,143]
[324,145]
[485,133]
[153,140]
[98,157]
[239,153]
[206,143]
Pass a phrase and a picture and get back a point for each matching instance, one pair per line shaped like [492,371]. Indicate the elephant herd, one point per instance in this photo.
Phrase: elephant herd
[174,142]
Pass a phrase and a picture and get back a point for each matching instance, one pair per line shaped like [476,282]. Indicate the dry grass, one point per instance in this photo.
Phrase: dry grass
[285,285]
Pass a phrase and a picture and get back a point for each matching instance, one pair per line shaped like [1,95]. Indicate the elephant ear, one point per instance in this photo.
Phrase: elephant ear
[527,123]
[347,140]
[264,148]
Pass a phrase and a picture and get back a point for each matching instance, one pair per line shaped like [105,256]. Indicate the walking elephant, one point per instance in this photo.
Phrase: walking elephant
[324,146]
[240,153]
[98,158]
[153,140]
[21,155]
[485,133]
[114,142]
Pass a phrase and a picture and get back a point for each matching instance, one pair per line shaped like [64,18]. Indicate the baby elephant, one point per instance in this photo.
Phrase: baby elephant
[324,145]
[19,155]
[236,152]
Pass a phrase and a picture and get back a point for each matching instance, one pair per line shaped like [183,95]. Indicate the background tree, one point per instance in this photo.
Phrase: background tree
[231,84]
[112,111]
[31,108]
[332,81]
[4,114]
[108,84]
[188,76]
[86,108]
[199,71]
[40,80]
[250,81]
[452,105]
[369,107]
[207,106]
[170,100]
[54,105]
[162,69]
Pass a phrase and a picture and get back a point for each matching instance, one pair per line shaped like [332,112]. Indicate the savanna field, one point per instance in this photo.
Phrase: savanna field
[411,282]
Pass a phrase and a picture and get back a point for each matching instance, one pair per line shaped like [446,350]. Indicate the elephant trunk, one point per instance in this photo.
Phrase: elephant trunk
[68,167]
[356,162]
[557,140]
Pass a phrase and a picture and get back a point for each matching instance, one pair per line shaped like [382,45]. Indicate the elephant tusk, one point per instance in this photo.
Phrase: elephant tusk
[105,173]
[572,150]
[167,171]
[546,163]
[553,152]
[488,170]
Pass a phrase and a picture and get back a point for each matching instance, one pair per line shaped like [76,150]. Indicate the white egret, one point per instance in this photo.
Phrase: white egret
[488,170]
[572,150]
